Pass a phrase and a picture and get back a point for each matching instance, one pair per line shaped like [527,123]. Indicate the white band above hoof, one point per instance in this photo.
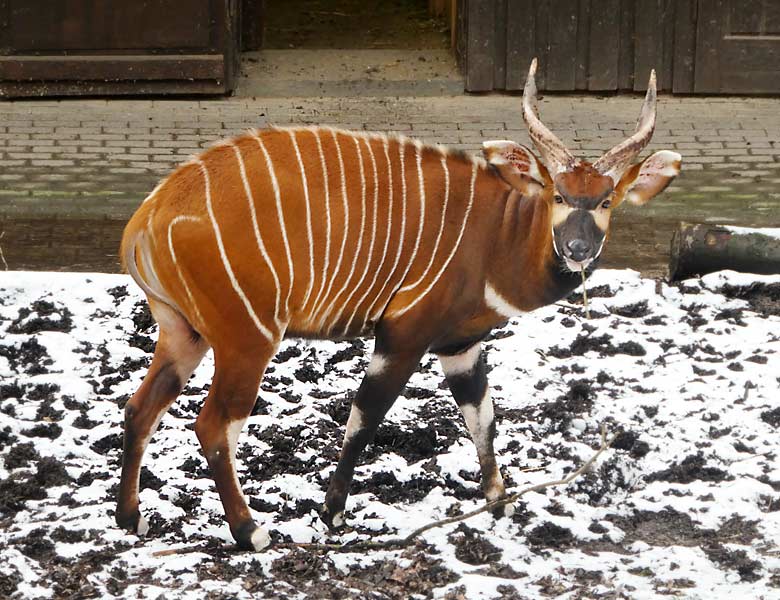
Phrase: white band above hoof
[260,539]
[338,519]
[143,526]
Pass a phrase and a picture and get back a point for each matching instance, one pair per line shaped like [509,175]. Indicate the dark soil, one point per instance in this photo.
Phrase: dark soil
[633,311]
[44,430]
[48,318]
[763,298]
[629,441]
[472,547]
[118,293]
[772,417]
[286,354]
[550,535]
[9,583]
[388,489]
[30,356]
[604,484]
[107,443]
[10,390]
[737,560]
[142,317]
[17,489]
[587,343]
[692,468]
[142,342]
[280,458]
[6,439]
[51,472]
[666,527]
[412,444]
[356,349]
[21,455]
[577,400]
[599,291]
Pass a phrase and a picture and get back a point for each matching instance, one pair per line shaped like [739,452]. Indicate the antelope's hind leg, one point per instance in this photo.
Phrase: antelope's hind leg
[178,352]
[466,375]
[229,403]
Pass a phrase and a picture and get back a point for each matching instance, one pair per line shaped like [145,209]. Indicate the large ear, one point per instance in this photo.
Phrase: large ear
[517,165]
[647,179]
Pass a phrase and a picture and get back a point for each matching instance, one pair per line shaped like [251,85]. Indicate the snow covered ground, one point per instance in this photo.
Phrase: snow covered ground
[686,504]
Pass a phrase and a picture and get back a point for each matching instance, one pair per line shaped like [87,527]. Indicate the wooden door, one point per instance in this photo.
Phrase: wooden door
[738,47]
[121,46]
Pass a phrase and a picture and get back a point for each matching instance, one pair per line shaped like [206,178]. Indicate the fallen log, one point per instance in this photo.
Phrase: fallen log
[698,249]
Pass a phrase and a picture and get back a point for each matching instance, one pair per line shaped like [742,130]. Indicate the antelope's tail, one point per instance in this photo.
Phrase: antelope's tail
[135,246]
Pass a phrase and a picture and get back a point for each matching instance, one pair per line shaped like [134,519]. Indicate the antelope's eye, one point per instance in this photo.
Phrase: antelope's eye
[558,199]
[606,204]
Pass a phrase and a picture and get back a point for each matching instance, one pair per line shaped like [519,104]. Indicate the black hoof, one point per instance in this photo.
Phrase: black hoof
[334,519]
[132,522]
[503,511]
[250,537]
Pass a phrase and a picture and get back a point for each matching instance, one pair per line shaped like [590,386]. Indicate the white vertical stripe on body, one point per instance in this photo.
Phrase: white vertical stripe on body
[184,283]
[309,234]
[256,228]
[401,152]
[280,214]
[223,255]
[340,306]
[345,204]
[371,244]
[377,297]
[429,287]
[326,186]
[421,192]
[441,228]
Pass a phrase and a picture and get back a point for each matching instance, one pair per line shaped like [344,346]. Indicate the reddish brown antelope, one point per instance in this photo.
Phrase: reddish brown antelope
[321,233]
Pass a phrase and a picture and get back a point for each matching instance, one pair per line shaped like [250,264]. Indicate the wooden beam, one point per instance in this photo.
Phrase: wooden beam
[111,68]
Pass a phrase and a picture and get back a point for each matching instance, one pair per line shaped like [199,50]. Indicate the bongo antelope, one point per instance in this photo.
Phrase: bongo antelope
[322,233]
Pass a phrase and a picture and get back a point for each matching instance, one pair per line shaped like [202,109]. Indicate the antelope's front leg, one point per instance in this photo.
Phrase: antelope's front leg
[466,375]
[384,379]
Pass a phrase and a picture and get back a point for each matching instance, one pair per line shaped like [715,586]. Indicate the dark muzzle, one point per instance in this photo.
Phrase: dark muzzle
[578,250]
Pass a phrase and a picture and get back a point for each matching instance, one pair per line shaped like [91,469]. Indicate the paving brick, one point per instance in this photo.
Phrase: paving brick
[76,130]
[126,143]
[724,151]
[171,143]
[29,130]
[23,142]
[102,136]
[748,159]
[52,163]
[19,155]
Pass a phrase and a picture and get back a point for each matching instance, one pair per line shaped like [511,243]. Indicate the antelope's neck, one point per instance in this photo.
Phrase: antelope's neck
[526,273]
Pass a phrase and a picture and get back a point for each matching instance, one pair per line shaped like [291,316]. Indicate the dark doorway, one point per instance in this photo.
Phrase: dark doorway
[353,24]
[348,48]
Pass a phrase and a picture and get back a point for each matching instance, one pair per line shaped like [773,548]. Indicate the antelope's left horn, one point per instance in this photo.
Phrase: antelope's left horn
[615,162]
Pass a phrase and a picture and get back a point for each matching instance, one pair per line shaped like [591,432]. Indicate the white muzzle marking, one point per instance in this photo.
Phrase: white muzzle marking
[576,266]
